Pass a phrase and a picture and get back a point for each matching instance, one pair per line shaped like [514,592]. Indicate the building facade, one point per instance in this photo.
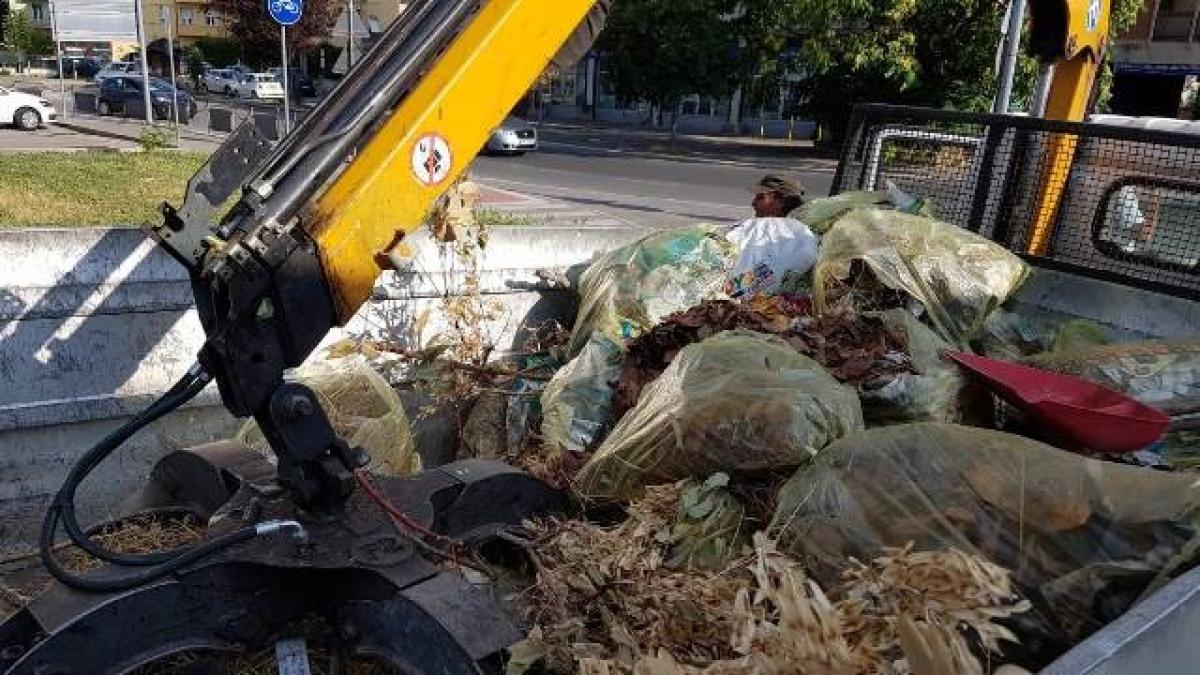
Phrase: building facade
[1158,60]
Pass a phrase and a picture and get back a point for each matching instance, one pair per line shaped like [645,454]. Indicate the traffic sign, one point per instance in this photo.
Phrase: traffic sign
[286,12]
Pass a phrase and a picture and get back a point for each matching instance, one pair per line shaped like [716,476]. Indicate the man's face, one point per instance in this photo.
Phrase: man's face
[767,204]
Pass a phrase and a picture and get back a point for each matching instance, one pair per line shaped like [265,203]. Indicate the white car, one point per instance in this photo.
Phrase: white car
[220,80]
[117,69]
[514,137]
[25,111]
[258,85]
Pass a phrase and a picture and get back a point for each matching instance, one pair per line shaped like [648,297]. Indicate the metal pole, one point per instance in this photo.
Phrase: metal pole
[350,42]
[1041,93]
[62,78]
[174,82]
[287,91]
[139,15]
[1008,62]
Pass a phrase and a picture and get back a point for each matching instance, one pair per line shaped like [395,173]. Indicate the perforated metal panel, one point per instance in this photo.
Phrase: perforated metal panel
[1129,208]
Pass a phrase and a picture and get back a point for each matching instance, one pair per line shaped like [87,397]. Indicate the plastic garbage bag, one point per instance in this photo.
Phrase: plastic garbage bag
[768,250]
[737,402]
[576,402]
[629,290]
[936,392]
[1084,538]
[957,276]
[364,410]
[820,214]
[1163,375]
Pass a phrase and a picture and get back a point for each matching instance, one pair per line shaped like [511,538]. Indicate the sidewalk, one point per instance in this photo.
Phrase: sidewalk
[130,130]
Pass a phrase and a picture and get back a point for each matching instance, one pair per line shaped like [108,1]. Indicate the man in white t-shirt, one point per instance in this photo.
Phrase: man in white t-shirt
[771,244]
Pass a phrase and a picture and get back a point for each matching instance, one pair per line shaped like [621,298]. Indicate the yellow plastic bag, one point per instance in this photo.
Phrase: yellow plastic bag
[958,276]
[737,402]
[576,402]
[628,291]
[364,410]
[1084,538]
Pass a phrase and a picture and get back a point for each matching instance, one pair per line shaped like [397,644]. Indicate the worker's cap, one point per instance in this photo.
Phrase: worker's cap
[784,185]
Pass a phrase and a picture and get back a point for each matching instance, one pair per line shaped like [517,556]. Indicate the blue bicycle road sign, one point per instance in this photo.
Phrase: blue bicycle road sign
[286,12]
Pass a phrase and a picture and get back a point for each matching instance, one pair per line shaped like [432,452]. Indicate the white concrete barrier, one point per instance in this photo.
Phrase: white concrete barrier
[96,323]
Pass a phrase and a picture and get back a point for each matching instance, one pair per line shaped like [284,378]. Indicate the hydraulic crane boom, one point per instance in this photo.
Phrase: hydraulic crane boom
[1069,38]
[301,251]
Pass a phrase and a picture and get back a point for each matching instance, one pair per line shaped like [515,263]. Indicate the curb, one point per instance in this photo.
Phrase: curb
[89,131]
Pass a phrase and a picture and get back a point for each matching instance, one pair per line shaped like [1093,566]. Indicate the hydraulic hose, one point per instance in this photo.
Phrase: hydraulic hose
[152,566]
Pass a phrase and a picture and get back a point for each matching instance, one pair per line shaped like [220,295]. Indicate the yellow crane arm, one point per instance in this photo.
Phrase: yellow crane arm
[432,138]
[1069,37]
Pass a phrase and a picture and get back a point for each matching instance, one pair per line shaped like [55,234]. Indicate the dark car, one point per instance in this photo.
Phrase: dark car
[298,82]
[123,96]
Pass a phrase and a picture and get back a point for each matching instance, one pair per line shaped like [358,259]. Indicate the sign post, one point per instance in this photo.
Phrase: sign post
[285,13]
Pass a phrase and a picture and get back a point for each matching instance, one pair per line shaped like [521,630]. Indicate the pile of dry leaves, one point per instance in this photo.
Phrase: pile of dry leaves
[852,347]
[605,602]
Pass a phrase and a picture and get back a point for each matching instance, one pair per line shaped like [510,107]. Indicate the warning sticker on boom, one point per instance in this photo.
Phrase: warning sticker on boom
[432,159]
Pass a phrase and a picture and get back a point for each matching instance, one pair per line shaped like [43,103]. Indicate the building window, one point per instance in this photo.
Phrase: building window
[211,18]
[164,13]
[38,12]
[185,16]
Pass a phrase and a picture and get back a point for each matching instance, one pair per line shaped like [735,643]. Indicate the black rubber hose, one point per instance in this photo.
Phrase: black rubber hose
[62,509]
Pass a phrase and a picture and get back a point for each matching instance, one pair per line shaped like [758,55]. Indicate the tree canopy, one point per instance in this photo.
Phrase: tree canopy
[25,38]
[259,35]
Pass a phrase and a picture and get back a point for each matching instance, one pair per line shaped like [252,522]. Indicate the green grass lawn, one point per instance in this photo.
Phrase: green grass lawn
[91,188]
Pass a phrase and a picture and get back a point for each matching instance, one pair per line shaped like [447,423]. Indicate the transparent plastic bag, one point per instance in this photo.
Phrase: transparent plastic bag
[936,392]
[1060,521]
[820,214]
[576,402]
[1164,375]
[629,290]
[364,410]
[737,402]
[957,276]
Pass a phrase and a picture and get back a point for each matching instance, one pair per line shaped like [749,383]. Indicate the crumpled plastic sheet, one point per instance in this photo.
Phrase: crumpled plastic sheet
[362,407]
[737,402]
[1161,374]
[627,291]
[958,277]
[1084,538]
[576,402]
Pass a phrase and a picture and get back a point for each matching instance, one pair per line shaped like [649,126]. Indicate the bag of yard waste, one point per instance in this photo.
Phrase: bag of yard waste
[957,276]
[769,249]
[936,392]
[1084,538]
[576,402]
[737,402]
[630,289]
[364,410]
[1163,375]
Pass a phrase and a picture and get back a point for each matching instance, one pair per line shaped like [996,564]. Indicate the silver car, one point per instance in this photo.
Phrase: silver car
[514,137]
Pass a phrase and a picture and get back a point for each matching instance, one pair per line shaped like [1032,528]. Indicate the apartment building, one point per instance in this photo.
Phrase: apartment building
[1157,59]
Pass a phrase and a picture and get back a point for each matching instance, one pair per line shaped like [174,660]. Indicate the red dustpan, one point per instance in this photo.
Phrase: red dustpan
[1077,412]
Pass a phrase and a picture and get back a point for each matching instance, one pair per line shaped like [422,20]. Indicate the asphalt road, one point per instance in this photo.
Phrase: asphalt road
[644,188]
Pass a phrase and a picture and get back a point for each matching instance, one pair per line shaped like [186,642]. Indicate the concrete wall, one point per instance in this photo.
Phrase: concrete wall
[95,323]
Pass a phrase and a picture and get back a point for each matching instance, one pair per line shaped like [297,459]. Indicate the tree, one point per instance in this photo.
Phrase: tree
[220,52]
[663,50]
[258,35]
[25,38]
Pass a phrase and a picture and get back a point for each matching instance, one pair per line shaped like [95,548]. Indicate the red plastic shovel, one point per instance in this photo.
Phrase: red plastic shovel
[1077,412]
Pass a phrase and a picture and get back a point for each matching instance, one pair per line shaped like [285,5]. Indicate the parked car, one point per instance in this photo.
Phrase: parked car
[117,69]
[514,137]
[25,111]
[78,67]
[220,80]
[300,84]
[258,85]
[123,96]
